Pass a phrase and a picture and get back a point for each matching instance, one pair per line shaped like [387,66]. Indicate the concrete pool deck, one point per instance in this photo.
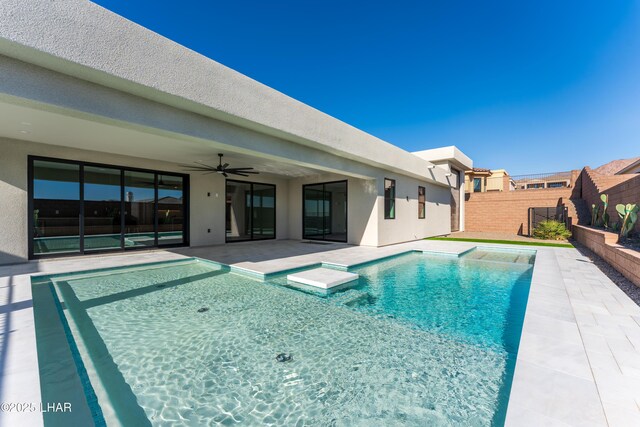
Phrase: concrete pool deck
[579,356]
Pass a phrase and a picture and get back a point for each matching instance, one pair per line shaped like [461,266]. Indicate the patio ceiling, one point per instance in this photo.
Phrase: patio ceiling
[31,124]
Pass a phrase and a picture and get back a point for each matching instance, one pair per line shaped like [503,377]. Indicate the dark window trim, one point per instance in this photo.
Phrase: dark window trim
[30,175]
[81,201]
[387,215]
[275,212]
[479,190]
[422,214]
[346,225]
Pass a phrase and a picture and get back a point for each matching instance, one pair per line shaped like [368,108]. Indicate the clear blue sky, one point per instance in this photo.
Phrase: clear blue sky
[530,86]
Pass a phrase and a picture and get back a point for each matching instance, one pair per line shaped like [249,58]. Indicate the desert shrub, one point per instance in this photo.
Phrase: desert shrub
[551,230]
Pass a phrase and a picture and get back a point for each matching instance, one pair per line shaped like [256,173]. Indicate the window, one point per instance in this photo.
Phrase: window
[477,185]
[556,184]
[421,203]
[79,207]
[389,198]
[536,185]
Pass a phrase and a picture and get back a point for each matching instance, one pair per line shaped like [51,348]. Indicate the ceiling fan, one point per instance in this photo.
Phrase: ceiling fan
[224,170]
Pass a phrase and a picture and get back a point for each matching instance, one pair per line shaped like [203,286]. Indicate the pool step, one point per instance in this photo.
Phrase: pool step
[323,278]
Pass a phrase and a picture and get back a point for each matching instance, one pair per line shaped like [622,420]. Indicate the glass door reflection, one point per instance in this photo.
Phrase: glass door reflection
[102,208]
[325,211]
[79,208]
[170,210]
[238,211]
[56,208]
[264,212]
[250,211]
[140,207]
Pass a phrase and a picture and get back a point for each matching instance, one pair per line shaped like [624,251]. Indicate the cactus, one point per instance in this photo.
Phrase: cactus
[594,214]
[628,215]
[605,205]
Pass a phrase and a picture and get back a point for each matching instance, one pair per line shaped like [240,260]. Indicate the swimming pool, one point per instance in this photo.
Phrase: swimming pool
[419,339]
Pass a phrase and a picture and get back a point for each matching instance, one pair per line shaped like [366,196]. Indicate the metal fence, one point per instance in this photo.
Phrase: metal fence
[542,180]
[537,215]
[519,182]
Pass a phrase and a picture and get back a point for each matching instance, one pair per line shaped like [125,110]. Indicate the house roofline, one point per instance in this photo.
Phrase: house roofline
[86,41]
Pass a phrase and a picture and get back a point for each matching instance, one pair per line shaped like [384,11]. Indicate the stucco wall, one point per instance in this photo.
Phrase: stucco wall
[366,223]
[361,213]
[407,226]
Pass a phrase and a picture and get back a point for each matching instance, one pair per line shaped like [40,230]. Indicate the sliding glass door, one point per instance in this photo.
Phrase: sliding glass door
[264,211]
[102,208]
[325,211]
[171,210]
[139,209]
[55,212]
[250,211]
[78,207]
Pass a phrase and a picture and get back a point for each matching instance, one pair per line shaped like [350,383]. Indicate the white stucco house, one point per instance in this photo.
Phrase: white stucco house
[101,120]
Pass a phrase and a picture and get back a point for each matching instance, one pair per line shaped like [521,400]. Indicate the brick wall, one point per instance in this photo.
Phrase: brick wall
[626,261]
[508,211]
[620,188]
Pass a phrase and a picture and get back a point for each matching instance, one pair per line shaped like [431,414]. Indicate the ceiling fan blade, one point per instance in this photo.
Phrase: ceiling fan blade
[206,166]
[199,170]
[244,171]
[239,169]
[221,169]
[192,167]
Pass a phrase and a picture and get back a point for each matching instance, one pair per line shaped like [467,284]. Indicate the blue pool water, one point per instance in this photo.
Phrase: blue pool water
[478,298]
[418,340]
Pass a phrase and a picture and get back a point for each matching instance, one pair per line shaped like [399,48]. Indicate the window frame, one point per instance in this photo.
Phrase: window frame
[389,202]
[477,190]
[422,204]
[31,159]
[251,200]
[304,210]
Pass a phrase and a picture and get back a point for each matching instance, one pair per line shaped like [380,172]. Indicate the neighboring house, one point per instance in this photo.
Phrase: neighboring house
[475,180]
[100,120]
[479,180]
[619,167]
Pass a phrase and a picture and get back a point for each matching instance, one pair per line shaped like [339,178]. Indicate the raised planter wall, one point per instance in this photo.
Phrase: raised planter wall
[603,243]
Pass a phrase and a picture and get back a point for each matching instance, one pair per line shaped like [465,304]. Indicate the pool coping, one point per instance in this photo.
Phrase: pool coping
[558,376]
